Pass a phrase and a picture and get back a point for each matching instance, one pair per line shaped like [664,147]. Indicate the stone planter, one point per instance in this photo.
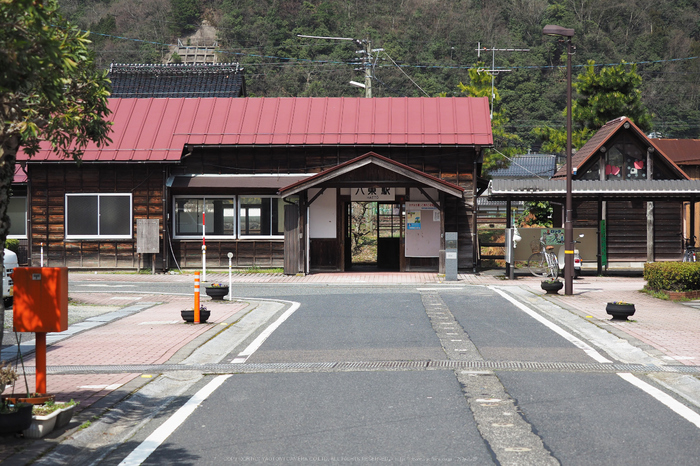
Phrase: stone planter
[620,311]
[41,425]
[552,287]
[188,315]
[217,293]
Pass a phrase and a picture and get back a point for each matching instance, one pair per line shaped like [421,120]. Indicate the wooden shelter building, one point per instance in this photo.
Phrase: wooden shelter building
[268,180]
[626,187]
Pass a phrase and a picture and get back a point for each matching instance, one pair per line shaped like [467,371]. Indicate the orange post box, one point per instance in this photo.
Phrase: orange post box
[40,299]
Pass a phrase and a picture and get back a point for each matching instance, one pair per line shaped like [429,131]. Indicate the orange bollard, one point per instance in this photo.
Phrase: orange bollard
[196,297]
[40,352]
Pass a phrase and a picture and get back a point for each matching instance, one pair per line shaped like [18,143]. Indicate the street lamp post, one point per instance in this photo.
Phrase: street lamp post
[552,30]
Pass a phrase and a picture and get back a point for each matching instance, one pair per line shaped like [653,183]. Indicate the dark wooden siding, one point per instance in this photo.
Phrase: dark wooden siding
[49,185]
[668,243]
[246,253]
[51,182]
[325,254]
[627,231]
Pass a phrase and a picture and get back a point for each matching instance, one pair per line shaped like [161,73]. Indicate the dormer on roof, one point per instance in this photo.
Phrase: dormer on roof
[620,151]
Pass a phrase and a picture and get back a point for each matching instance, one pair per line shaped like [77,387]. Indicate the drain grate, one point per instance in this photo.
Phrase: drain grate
[346,366]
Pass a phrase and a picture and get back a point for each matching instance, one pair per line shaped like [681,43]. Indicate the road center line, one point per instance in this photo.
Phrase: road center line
[676,406]
[148,446]
[253,347]
[552,326]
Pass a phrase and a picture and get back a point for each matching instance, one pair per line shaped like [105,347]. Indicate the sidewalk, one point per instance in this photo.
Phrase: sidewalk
[149,329]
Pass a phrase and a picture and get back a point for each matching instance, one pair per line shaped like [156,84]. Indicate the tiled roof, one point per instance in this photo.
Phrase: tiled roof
[528,166]
[592,145]
[158,130]
[602,136]
[170,80]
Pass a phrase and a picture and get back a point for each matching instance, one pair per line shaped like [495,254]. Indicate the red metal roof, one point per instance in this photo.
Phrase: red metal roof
[681,151]
[158,129]
[20,175]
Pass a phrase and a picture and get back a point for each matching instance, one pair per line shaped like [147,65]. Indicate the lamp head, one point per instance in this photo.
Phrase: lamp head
[553,30]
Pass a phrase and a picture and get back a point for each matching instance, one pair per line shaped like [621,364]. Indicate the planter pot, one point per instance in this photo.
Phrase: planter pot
[217,293]
[552,288]
[620,311]
[64,416]
[188,315]
[41,425]
[16,422]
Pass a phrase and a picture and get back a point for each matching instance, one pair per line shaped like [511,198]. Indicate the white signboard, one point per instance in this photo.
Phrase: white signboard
[372,194]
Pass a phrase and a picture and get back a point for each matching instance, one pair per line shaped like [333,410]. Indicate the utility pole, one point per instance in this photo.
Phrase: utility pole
[367,64]
[368,69]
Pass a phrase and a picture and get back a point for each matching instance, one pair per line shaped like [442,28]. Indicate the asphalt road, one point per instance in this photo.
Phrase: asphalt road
[378,408]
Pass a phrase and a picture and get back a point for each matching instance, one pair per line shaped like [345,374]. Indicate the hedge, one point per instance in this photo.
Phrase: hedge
[672,276]
[13,245]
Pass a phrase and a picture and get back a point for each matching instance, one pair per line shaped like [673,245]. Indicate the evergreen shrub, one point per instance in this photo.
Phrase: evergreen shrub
[672,276]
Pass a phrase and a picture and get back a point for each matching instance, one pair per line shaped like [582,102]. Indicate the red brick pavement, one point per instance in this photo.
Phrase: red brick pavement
[151,336]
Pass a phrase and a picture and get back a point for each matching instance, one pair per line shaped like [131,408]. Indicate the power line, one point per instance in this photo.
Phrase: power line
[418,66]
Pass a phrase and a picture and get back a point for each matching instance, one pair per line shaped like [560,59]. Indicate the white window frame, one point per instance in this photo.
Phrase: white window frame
[24,236]
[98,235]
[205,198]
[238,219]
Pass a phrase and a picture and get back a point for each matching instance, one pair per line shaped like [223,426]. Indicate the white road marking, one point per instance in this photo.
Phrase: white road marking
[676,406]
[109,285]
[441,288]
[575,341]
[148,446]
[114,386]
[253,347]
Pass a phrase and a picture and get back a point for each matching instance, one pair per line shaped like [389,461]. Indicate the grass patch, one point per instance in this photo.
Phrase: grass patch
[656,294]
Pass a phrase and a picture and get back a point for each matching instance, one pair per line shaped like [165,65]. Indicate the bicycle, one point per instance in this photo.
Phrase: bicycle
[689,252]
[544,263]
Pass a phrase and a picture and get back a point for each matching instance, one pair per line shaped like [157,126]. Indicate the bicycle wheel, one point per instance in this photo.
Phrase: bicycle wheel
[554,269]
[537,264]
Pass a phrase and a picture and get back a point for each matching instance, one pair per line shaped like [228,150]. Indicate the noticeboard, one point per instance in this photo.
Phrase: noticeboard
[423,227]
[147,236]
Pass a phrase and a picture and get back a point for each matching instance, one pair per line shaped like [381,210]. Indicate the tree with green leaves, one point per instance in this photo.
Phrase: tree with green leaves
[601,97]
[506,145]
[49,90]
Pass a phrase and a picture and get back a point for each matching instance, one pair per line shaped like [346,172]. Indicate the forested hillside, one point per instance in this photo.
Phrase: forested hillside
[429,45]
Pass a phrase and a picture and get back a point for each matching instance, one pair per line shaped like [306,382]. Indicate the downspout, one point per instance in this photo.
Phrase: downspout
[164,220]
[475,237]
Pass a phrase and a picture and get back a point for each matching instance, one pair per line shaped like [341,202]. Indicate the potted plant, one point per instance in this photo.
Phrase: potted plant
[620,310]
[14,418]
[65,413]
[8,376]
[43,420]
[217,291]
[552,286]
[188,314]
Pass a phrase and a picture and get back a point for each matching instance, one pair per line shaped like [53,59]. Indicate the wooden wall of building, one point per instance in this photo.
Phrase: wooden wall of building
[49,184]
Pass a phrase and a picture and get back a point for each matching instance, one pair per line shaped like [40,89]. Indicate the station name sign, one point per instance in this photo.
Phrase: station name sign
[372,194]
